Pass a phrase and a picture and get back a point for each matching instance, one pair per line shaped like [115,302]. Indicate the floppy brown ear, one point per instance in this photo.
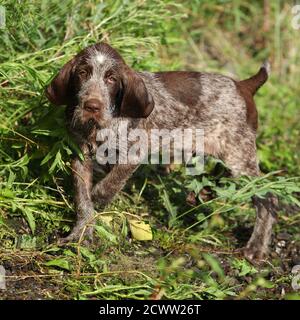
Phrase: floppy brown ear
[136,101]
[59,91]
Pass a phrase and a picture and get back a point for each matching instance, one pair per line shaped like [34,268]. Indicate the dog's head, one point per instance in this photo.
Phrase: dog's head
[99,85]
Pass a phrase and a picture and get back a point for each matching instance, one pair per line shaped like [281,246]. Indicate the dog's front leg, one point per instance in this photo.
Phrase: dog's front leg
[258,246]
[105,190]
[82,178]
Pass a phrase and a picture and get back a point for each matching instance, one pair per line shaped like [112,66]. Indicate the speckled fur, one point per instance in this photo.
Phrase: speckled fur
[222,107]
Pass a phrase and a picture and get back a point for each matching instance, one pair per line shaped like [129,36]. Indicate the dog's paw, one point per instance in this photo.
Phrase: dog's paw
[83,235]
[254,255]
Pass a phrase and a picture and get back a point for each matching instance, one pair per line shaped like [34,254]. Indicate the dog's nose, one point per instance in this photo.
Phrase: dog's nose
[92,105]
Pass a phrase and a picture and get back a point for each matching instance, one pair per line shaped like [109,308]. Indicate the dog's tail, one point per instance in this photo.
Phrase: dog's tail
[256,81]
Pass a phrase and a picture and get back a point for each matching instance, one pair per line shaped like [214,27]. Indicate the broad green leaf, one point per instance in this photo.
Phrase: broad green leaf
[29,218]
[6,193]
[213,262]
[103,233]
[60,263]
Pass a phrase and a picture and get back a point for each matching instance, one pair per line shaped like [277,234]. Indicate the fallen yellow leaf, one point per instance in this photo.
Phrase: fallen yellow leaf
[140,230]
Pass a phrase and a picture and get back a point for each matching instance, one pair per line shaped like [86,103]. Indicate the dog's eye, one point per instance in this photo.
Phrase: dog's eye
[111,79]
[82,73]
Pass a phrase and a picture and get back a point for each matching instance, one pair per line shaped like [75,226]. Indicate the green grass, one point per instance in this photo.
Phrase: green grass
[193,251]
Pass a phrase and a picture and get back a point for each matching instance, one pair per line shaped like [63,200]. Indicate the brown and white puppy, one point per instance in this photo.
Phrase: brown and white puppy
[100,90]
